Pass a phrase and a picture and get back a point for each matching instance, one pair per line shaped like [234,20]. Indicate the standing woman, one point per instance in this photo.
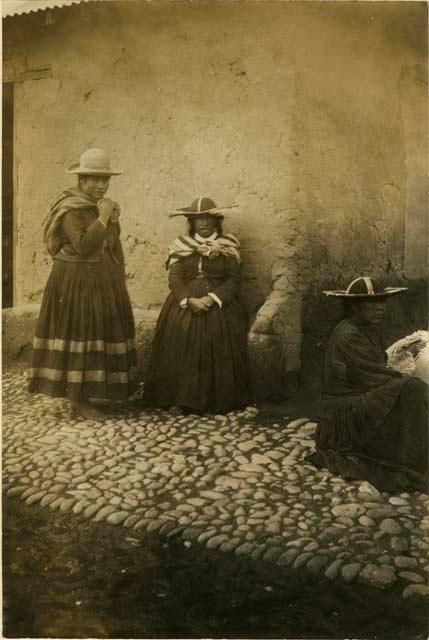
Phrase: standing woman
[199,355]
[84,345]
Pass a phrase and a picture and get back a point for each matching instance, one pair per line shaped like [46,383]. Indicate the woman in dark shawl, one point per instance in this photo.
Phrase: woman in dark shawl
[199,353]
[375,421]
[84,344]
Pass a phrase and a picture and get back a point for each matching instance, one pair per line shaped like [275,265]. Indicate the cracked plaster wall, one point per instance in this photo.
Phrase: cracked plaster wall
[310,116]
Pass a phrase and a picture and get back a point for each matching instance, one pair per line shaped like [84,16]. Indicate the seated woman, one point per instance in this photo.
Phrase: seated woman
[199,353]
[375,420]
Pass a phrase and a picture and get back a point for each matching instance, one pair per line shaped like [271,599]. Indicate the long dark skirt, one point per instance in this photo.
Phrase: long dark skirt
[199,361]
[393,455]
[84,344]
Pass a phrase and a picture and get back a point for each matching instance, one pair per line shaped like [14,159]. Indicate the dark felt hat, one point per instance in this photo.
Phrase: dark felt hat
[365,289]
[201,206]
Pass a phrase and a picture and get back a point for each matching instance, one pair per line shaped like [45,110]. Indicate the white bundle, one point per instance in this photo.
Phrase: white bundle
[410,355]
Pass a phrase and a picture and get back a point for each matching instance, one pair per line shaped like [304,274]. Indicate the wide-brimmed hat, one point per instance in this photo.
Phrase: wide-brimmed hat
[201,206]
[364,288]
[94,162]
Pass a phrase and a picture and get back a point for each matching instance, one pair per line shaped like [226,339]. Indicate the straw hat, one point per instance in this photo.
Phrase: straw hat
[94,162]
[365,289]
[201,206]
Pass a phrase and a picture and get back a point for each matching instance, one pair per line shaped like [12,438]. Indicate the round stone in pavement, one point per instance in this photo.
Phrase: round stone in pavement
[333,570]
[410,576]
[379,512]
[288,557]
[350,571]
[406,562]
[399,544]
[302,559]
[416,590]
[351,510]
[317,564]
[391,526]
[376,576]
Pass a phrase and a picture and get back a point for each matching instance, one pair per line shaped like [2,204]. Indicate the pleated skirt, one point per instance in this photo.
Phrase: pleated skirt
[391,453]
[84,343]
[199,361]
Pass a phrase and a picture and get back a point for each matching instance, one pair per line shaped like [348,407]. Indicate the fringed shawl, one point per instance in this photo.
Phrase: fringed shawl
[69,199]
[184,246]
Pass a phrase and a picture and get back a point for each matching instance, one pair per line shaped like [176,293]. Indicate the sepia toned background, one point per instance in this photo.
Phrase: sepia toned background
[311,117]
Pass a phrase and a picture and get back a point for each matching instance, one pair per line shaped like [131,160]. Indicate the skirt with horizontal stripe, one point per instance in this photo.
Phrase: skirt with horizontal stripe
[84,345]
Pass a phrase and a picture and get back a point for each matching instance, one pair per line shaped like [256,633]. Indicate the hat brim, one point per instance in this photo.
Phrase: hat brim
[188,212]
[388,292]
[77,169]
[194,214]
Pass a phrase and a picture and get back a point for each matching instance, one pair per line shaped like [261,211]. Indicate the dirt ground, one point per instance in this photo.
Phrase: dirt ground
[65,577]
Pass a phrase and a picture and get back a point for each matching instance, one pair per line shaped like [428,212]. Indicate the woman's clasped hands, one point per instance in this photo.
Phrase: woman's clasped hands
[201,305]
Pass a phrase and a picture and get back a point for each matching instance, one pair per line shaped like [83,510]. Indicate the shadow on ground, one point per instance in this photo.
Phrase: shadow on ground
[305,403]
[69,578]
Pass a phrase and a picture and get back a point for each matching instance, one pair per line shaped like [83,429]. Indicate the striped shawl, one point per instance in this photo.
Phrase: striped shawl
[184,246]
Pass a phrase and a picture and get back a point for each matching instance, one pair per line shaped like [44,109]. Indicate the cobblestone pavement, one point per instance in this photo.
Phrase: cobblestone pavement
[227,482]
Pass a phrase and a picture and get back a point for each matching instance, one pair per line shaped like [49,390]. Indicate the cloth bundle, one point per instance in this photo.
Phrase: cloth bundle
[410,355]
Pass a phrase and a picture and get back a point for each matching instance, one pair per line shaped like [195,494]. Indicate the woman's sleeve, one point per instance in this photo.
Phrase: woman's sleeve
[83,240]
[362,360]
[176,281]
[230,288]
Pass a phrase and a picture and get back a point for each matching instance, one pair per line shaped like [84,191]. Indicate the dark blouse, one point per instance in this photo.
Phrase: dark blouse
[222,276]
[84,237]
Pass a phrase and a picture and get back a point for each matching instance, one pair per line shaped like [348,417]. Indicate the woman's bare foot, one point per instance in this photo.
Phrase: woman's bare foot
[175,411]
[87,410]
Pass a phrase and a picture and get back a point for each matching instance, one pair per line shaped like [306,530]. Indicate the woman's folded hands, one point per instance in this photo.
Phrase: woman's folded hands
[201,305]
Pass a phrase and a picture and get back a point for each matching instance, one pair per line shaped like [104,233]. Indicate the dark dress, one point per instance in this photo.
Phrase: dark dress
[200,361]
[375,421]
[84,342]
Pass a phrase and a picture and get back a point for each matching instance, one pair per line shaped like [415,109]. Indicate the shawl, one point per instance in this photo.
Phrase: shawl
[69,199]
[184,246]
[355,360]
[357,378]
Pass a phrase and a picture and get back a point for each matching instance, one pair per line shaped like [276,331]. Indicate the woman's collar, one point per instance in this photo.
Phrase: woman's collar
[201,239]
